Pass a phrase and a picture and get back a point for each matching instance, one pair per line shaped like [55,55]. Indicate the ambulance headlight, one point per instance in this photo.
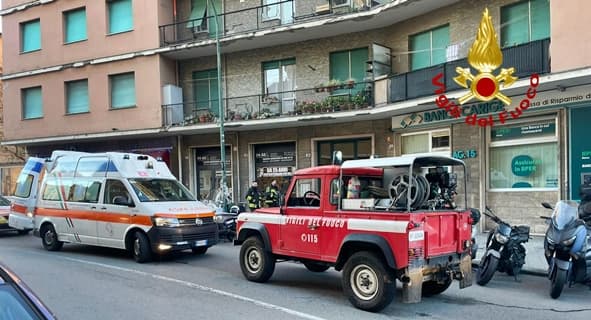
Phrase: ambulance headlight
[166,222]
[218,219]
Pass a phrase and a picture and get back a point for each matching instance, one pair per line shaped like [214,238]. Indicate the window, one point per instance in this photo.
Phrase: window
[77,97]
[115,189]
[75,25]
[84,190]
[120,16]
[31,36]
[279,85]
[340,3]
[278,9]
[23,185]
[351,148]
[202,19]
[428,48]
[57,190]
[32,103]
[205,89]
[349,65]
[305,193]
[524,156]
[434,142]
[122,90]
[524,22]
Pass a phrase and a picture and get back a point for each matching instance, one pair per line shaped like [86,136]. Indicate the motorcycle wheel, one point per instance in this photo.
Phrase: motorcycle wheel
[558,280]
[488,266]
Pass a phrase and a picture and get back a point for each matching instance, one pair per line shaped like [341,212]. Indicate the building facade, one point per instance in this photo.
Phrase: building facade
[300,79]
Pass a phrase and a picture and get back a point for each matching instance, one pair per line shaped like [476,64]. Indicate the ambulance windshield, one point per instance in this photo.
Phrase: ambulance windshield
[152,190]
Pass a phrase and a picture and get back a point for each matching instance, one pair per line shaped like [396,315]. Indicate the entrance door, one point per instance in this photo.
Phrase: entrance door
[115,214]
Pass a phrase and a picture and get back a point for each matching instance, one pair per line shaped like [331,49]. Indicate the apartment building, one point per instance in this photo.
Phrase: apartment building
[300,79]
[11,157]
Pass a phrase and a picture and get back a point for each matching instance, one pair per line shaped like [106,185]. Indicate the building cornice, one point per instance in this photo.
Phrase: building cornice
[24,6]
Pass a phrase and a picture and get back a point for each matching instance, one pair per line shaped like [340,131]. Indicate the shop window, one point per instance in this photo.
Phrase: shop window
[30,36]
[122,90]
[524,22]
[437,141]
[77,96]
[351,148]
[120,16]
[75,25]
[428,48]
[32,103]
[524,156]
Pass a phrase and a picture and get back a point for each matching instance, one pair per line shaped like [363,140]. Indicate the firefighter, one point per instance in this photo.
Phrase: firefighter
[272,195]
[253,196]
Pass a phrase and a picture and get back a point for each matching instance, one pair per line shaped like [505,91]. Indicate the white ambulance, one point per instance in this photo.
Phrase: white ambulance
[119,200]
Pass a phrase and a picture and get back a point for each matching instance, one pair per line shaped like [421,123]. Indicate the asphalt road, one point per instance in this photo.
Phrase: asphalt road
[82,282]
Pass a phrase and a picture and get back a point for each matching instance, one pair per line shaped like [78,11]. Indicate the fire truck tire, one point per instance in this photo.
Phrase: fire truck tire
[367,282]
[49,238]
[432,288]
[316,267]
[256,263]
[140,248]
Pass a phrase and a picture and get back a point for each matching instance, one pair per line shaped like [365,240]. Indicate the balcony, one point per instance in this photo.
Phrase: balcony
[528,58]
[322,100]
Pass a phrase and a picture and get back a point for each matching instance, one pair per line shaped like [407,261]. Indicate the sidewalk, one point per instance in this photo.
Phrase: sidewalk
[535,262]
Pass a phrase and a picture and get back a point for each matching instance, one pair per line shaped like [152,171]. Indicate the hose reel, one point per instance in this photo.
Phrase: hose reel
[401,185]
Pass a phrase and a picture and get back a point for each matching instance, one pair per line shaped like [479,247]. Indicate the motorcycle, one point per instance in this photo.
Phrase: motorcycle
[226,222]
[505,251]
[567,247]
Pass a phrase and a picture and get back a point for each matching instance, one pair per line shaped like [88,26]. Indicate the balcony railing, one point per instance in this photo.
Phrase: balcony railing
[326,99]
[528,58]
[255,18]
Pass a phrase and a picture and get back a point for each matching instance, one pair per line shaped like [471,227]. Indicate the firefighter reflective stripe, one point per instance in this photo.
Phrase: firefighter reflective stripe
[377,225]
[351,224]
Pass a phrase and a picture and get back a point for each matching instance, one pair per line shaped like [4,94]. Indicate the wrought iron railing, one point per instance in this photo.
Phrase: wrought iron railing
[251,19]
[528,58]
[339,97]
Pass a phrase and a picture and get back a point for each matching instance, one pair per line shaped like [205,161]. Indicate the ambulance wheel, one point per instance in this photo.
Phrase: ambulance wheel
[141,250]
[367,282]
[256,263]
[199,250]
[49,238]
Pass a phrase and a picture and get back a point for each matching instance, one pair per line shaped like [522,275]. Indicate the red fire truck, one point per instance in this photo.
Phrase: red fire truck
[377,220]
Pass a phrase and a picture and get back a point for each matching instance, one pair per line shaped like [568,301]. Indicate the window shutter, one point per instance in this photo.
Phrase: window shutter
[75,25]
[77,96]
[514,24]
[31,36]
[440,41]
[420,46]
[123,90]
[120,16]
[540,19]
[197,14]
[32,103]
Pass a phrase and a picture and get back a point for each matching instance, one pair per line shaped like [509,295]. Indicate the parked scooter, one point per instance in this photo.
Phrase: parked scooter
[567,247]
[505,251]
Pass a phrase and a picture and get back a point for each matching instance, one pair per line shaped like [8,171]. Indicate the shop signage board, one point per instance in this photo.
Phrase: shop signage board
[523,131]
[552,98]
[524,165]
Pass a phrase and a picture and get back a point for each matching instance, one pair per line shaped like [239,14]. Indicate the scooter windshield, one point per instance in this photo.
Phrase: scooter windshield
[564,214]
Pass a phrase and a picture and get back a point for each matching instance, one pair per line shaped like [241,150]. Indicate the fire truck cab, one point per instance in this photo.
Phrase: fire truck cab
[377,220]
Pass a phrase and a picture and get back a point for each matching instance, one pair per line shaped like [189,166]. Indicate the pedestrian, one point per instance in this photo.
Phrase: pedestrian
[272,195]
[253,196]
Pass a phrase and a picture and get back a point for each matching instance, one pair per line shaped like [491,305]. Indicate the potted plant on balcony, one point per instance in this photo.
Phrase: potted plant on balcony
[333,85]
[359,101]
[350,83]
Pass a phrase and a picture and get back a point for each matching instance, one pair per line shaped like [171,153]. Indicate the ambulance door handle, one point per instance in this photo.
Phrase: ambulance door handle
[93,207]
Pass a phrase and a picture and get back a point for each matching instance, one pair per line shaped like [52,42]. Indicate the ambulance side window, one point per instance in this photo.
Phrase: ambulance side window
[115,189]
[84,190]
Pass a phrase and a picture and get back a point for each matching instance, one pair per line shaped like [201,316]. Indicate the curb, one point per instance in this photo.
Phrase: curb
[532,272]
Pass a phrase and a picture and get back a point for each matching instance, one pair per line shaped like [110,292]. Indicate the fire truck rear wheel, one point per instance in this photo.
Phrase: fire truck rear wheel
[49,238]
[367,282]
[256,263]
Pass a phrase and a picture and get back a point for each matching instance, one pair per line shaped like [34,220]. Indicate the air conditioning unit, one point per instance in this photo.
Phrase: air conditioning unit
[172,105]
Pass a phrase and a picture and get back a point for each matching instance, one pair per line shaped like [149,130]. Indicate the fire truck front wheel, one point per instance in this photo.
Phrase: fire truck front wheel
[367,282]
[256,263]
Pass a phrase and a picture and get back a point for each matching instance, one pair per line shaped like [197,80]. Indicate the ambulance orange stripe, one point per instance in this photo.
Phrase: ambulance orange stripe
[18,208]
[184,215]
[95,216]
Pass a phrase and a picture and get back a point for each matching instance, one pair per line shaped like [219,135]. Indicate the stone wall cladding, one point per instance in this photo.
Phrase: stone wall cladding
[464,137]
[521,208]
